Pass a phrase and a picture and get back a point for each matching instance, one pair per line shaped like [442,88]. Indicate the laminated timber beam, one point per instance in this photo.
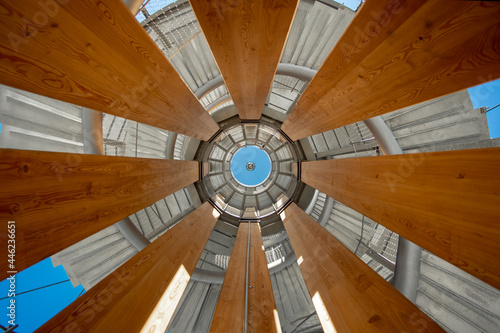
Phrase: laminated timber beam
[142,294]
[347,294]
[262,315]
[95,54]
[446,202]
[246,39]
[59,199]
[397,53]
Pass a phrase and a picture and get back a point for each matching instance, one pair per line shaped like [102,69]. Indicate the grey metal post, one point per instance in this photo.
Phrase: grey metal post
[132,234]
[407,270]
[93,143]
[133,5]
[92,132]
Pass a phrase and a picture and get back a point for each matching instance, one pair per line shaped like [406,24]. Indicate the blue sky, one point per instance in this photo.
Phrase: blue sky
[250,154]
[488,95]
[36,307]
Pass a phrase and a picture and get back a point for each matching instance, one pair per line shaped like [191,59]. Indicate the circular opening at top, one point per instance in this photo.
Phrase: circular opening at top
[251,165]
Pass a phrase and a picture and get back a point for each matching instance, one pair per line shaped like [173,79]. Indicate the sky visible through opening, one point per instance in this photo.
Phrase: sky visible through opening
[255,155]
[36,307]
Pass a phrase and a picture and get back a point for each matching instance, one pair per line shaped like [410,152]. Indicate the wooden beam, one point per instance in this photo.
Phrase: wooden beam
[262,312]
[398,53]
[149,285]
[230,311]
[446,202]
[58,199]
[95,54]
[347,294]
[246,39]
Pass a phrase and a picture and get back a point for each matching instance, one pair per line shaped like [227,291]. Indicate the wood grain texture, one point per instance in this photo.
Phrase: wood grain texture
[142,294]
[95,54]
[230,311]
[347,294]
[446,202]
[396,53]
[262,312]
[58,199]
[247,38]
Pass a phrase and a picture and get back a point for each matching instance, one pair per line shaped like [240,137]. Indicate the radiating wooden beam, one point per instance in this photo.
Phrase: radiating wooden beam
[141,295]
[398,53]
[347,294]
[230,311]
[58,199]
[95,54]
[262,312]
[446,202]
[247,39]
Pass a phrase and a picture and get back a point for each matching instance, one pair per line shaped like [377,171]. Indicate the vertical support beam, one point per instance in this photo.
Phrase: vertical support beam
[407,270]
[262,312]
[133,5]
[93,142]
[149,286]
[229,314]
[247,39]
[333,274]
[132,234]
[230,311]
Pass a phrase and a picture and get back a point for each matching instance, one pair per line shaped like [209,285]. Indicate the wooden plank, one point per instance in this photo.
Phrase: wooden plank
[262,312]
[347,294]
[230,311]
[95,54]
[58,199]
[446,202]
[247,39]
[149,285]
[398,53]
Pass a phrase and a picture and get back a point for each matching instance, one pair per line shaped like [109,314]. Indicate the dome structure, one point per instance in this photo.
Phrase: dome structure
[222,185]
[167,218]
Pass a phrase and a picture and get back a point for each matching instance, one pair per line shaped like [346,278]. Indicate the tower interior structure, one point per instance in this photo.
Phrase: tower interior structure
[378,207]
